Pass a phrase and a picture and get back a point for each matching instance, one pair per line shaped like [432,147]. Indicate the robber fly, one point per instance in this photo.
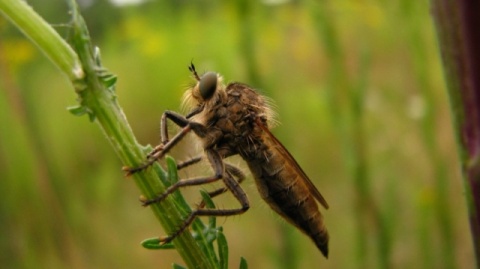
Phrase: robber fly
[235,119]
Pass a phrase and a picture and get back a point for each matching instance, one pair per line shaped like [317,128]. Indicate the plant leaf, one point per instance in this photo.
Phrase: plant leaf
[243,263]
[212,221]
[155,243]
[177,266]
[222,250]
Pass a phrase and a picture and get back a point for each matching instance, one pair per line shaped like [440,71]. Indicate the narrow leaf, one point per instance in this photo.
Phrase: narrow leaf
[243,263]
[212,223]
[176,266]
[155,243]
[222,250]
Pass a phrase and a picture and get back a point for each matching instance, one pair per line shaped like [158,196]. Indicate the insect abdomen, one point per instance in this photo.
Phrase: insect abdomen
[285,191]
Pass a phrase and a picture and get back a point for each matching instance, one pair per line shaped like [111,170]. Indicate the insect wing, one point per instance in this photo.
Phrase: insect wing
[288,157]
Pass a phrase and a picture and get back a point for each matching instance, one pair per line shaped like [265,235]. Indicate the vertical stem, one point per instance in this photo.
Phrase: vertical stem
[459,37]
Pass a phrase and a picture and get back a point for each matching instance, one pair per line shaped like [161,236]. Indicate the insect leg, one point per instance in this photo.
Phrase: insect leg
[163,135]
[219,172]
[189,162]
[231,184]
[167,144]
[232,170]
[179,184]
[158,152]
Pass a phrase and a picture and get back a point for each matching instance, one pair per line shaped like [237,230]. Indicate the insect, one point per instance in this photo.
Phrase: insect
[234,119]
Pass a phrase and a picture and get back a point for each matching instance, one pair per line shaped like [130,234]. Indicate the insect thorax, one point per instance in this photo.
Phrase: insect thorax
[232,121]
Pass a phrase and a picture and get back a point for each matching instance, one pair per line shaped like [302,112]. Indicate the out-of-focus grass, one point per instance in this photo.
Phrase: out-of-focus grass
[61,186]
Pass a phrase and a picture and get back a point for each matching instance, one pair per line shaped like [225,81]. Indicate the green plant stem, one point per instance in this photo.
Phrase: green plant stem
[44,36]
[101,104]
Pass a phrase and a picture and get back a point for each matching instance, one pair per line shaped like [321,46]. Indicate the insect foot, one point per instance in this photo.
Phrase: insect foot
[146,202]
[155,151]
[132,170]
[152,157]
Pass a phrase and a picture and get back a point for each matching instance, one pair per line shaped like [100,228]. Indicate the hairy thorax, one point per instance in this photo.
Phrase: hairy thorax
[230,121]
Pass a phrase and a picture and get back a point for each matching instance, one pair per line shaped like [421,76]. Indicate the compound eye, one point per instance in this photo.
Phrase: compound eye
[208,85]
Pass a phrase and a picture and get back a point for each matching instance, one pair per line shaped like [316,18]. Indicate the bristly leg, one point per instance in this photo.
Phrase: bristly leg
[189,162]
[234,172]
[167,145]
[218,166]
[231,169]
[158,152]
[222,171]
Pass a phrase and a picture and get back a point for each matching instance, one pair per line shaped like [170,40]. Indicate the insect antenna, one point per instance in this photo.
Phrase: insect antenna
[191,67]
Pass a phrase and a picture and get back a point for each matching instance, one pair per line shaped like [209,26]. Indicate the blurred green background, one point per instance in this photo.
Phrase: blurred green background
[360,96]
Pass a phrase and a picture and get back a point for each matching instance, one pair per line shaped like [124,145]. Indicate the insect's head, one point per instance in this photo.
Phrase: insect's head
[206,92]
[207,86]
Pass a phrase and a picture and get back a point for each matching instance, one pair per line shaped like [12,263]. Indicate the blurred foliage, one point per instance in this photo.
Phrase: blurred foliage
[360,96]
